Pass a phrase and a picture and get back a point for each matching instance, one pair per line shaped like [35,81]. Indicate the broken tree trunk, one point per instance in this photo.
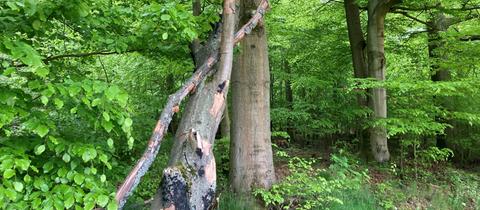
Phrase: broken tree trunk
[190,180]
[172,107]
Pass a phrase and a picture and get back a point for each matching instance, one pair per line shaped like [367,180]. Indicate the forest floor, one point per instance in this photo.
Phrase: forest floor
[389,186]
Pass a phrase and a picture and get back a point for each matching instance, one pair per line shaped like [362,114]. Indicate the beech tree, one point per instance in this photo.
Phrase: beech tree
[251,151]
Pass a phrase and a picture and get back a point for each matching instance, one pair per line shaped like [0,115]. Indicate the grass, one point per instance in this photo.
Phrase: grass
[232,201]
[362,199]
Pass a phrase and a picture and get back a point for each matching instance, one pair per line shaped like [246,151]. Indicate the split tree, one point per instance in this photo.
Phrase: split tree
[190,180]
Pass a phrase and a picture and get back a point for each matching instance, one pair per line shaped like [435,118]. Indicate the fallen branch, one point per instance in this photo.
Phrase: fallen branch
[172,107]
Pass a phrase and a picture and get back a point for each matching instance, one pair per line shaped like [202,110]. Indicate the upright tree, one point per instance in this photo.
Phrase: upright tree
[358,47]
[377,11]
[251,151]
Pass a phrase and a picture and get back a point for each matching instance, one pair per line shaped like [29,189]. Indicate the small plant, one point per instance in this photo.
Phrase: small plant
[308,187]
[435,155]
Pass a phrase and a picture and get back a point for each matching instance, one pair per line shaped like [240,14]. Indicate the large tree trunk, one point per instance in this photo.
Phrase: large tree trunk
[358,48]
[377,10]
[178,191]
[190,180]
[251,151]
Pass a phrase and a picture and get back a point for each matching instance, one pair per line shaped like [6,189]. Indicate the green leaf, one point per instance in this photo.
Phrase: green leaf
[41,130]
[22,164]
[36,24]
[58,103]
[42,72]
[96,102]
[165,36]
[112,92]
[110,143]
[40,149]
[69,201]
[78,179]
[9,173]
[112,206]
[165,17]
[122,99]
[66,157]
[130,142]
[108,125]
[9,71]
[106,116]
[11,194]
[128,122]
[18,186]
[44,100]
[103,178]
[89,154]
[102,200]
[27,178]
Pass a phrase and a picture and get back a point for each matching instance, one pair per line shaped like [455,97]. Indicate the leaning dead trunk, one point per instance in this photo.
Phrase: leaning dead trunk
[251,151]
[172,106]
[190,180]
[377,10]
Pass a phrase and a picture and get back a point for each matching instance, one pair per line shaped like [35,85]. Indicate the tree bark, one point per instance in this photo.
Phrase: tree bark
[190,180]
[225,124]
[358,48]
[250,151]
[439,23]
[172,106]
[377,10]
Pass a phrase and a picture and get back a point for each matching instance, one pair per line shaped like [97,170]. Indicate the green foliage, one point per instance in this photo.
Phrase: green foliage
[308,187]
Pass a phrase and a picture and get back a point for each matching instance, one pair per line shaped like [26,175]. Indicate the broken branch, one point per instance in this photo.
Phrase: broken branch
[174,100]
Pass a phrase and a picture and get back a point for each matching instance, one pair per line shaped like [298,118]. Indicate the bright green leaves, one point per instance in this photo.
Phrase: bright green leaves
[18,186]
[102,200]
[110,143]
[22,164]
[41,130]
[165,36]
[40,149]
[79,178]
[9,173]
[19,50]
[112,92]
[165,17]
[89,154]
[66,157]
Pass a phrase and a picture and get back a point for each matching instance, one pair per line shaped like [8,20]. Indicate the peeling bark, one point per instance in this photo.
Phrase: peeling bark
[192,151]
[190,86]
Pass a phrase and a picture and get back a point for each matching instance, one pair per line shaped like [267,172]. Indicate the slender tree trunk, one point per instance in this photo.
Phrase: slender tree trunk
[358,47]
[225,124]
[190,180]
[289,98]
[438,23]
[377,10]
[251,151]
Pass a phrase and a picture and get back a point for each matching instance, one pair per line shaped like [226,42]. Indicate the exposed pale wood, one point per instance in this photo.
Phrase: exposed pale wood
[173,103]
